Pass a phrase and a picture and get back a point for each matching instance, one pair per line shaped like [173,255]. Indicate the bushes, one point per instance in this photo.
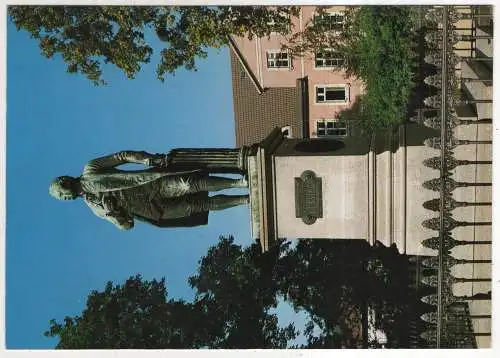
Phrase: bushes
[377,44]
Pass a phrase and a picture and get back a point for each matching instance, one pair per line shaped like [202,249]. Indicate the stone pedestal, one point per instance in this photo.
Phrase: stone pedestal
[351,189]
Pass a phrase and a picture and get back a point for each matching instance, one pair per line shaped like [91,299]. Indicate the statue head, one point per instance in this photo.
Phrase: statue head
[64,188]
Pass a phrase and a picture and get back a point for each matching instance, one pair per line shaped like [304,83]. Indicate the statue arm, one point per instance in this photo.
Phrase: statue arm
[124,157]
[122,222]
[118,217]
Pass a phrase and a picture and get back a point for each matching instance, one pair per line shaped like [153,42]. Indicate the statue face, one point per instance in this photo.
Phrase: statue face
[64,188]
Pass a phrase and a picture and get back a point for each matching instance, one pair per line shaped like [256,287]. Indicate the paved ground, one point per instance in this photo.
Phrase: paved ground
[475,173]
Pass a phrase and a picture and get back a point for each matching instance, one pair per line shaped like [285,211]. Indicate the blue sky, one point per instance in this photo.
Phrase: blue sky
[57,252]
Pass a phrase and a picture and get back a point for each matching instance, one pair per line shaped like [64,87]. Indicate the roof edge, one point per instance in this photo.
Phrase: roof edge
[245,65]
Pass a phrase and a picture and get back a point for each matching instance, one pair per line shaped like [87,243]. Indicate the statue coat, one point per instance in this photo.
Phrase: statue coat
[100,177]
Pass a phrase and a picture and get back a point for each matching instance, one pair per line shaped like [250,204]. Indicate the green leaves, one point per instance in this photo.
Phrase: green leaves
[136,314]
[377,46]
[375,42]
[231,309]
[88,36]
[334,280]
[236,292]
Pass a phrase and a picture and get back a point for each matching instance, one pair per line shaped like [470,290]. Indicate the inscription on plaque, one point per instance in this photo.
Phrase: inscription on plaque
[308,197]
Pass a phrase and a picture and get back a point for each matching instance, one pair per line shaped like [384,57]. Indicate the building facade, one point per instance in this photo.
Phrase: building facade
[308,91]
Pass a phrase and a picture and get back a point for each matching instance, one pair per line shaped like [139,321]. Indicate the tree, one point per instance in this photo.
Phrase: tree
[335,281]
[375,44]
[237,289]
[234,296]
[134,315]
[87,36]
[321,277]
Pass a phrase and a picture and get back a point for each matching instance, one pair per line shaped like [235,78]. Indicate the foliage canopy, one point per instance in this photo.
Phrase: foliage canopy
[236,293]
[88,36]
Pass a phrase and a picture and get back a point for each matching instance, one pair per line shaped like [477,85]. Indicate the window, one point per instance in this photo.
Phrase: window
[332,94]
[331,127]
[278,59]
[330,21]
[282,26]
[328,58]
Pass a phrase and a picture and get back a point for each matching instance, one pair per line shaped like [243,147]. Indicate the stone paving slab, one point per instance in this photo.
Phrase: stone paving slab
[482,287]
[463,270]
[462,289]
[480,308]
[483,342]
[477,173]
[481,325]
[481,270]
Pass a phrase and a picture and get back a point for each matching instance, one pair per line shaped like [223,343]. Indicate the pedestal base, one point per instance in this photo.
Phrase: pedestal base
[367,191]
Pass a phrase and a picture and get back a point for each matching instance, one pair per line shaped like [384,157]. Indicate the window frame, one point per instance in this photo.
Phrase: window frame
[272,23]
[346,88]
[324,67]
[332,121]
[280,68]
[331,14]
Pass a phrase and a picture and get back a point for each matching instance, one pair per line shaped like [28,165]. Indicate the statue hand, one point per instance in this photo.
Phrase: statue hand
[109,204]
[158,160]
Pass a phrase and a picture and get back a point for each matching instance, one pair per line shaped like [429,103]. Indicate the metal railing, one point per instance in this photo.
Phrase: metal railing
[450,325]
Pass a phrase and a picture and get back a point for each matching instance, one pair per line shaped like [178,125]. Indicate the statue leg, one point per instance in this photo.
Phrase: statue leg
[215,183]
[179,208]
[172,187]
[221,202]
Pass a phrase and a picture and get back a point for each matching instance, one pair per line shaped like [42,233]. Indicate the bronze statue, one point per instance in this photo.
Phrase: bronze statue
[172,192]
